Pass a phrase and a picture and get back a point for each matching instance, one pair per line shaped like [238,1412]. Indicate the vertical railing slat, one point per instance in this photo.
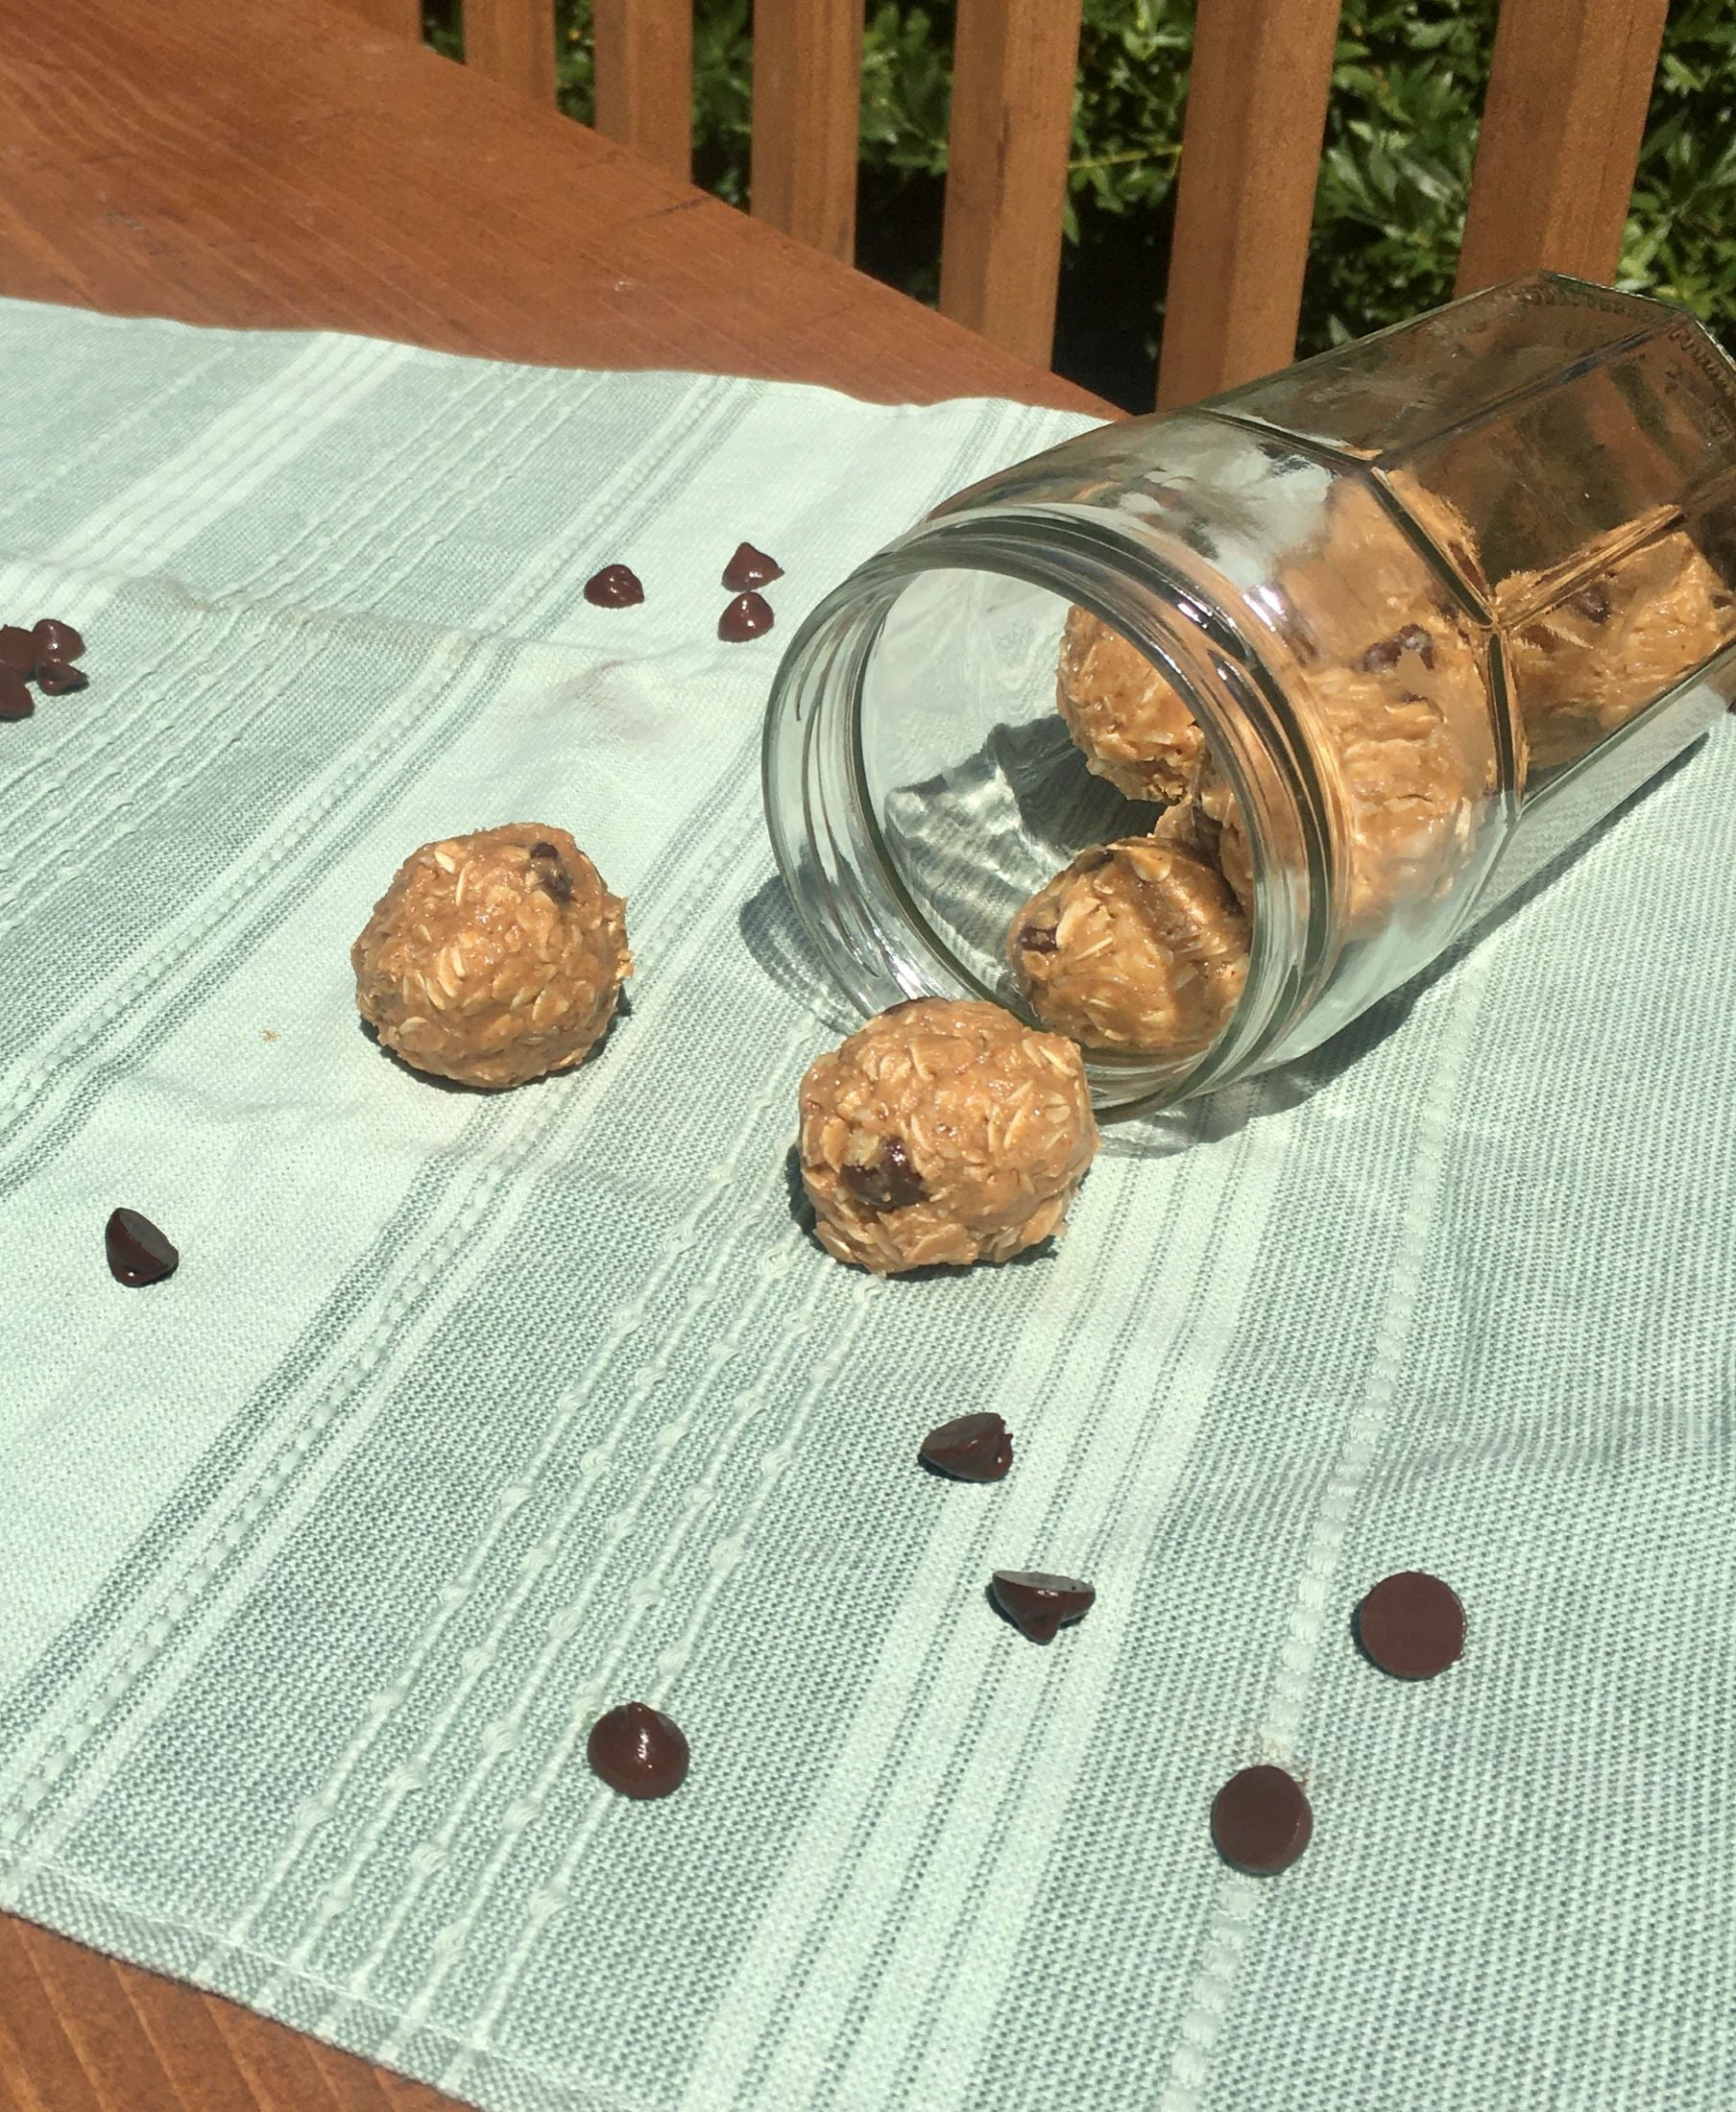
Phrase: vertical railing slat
[1014,66]
[1250,161]
[808,81]
[1570,83]
[644,78]
[513,42]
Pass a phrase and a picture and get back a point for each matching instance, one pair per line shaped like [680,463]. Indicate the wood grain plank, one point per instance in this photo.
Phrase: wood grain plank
[513,41]
[43,2051]
[644,78]
[1250,159]
[1570,81]
[404,17]
[113,2048]
[1014,66]
[192,2049]
[279,2065]
[808,81]
[191,162]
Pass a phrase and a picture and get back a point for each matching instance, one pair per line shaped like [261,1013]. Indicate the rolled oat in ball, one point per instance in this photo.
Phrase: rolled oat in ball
[493,958]
[1138,947]
[943,1131]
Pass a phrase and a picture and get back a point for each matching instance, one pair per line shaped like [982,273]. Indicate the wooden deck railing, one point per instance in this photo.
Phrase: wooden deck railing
[1569,85]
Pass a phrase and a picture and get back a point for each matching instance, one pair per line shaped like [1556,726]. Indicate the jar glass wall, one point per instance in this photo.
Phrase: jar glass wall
[1194,736]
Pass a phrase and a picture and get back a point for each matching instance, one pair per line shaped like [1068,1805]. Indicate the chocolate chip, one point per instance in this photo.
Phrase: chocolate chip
[58,678]
[750,568]
[888,1181]
[15,699]
[1260,1821]
[747,616]
[638,1751]
[1038,1605]
[1410,638]
[1038,939]
[1593,602]
[17,649]
[614,586]
[137,1252]
[551,871]
[57,641]
[1093,860]
[971,1447]
[1412,1625]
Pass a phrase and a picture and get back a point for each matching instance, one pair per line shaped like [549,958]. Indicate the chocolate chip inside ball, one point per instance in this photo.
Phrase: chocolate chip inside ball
[1412,1625]
[747,616]
[638,1751]
[1037,1603]
[888,1181]
[614,586]
[750,568]
[15,699]
[550,869]
[971,1447]
[1260,1821]
[138,1252]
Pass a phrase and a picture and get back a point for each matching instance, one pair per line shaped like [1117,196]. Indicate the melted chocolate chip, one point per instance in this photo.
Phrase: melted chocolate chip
[57,641]
[1038,939]
[1260,1821]
[1037,1604]
[1411,638]
[747,616]
[1093,860]
[750,568]
[1593,602]
[550,869]
[971,1447]
[888,1182]
[638,1751]
[58,678]
[1412,1625]
[139,1253]
[614,586]
[17,649]
[15,699]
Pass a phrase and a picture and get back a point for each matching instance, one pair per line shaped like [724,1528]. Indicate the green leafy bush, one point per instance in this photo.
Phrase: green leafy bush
[1401,135]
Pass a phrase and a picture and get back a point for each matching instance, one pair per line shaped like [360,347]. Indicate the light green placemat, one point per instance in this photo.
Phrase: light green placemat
[468,1417]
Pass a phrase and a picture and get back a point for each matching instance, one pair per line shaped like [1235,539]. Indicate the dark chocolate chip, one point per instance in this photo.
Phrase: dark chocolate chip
[1593,602]
[747,616]
[1412,1625]
[17,649]
[57,641]
[638,1751]
[137,1251]
[1260,1821]
[58,678]
[1093,860]
[15,699]
[614,586]
[1038,939]
[551,871]
[1038,1605]
[750,568]
[971,1447]
[1411,638]
[888,1182]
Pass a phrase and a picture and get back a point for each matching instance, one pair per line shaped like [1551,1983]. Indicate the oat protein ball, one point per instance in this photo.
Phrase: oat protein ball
[1132,728]
[943,1131]
[493,958]
[1139,946]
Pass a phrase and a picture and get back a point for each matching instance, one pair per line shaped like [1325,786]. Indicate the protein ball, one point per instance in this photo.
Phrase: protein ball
[943,1131]
[1137,946]
[1131,725]
[493,958]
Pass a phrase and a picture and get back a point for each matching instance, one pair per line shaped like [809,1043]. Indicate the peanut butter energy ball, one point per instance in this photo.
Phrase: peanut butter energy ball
[493,958]
[1139,946]
[943,1131]
[1133,728]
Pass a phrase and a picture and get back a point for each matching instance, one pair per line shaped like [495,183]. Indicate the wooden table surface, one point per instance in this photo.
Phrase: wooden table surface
[245,162]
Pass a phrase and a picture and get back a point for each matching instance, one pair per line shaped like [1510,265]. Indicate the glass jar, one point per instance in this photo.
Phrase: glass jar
[1342,658]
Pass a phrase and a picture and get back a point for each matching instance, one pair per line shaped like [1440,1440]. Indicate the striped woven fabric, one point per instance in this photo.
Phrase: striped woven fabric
[466,1417]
